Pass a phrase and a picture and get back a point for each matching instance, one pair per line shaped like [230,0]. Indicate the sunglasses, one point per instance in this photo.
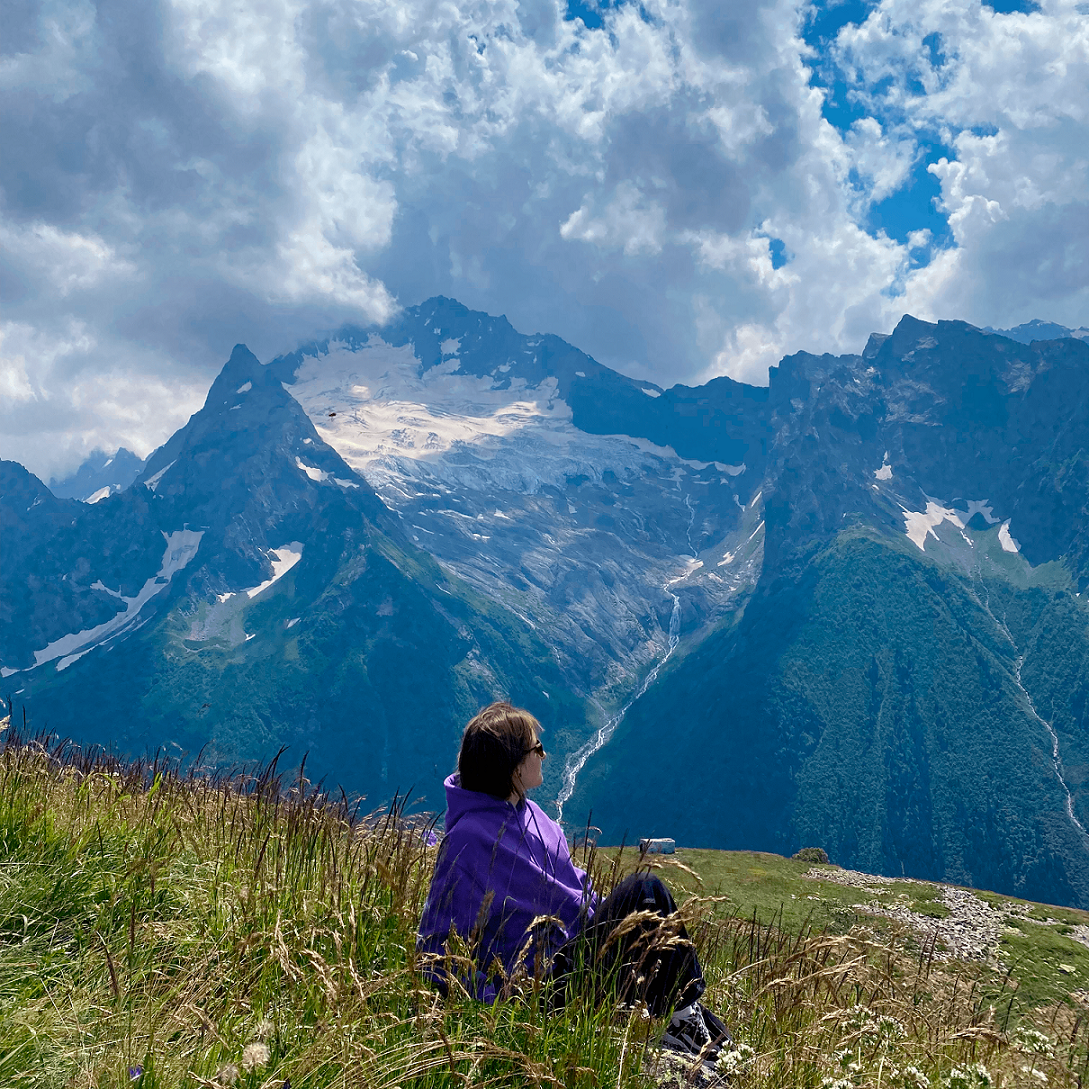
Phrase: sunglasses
[539,749]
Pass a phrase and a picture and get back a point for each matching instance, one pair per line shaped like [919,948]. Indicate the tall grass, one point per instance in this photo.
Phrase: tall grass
[161,926]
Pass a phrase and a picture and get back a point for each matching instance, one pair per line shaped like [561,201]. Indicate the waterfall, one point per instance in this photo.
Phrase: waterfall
[576,761]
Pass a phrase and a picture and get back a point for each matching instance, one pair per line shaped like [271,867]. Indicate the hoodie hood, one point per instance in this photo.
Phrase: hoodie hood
[460,802]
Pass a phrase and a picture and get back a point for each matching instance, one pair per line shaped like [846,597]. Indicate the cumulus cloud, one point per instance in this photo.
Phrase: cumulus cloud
[664,190]
[1005,92]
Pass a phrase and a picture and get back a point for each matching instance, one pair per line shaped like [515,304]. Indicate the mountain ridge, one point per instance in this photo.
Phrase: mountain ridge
[866,574]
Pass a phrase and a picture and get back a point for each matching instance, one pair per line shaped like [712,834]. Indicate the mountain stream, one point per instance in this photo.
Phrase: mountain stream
[1015,676]
[577,760]
[1056,759]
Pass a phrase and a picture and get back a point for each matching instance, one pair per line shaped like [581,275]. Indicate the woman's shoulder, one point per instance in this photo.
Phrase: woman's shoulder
[548,829]
[478,824]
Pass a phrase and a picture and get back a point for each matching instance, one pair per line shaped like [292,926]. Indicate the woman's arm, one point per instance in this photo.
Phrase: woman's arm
[456,909]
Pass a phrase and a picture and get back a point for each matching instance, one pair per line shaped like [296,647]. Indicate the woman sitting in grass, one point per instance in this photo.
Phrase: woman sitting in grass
[506,886]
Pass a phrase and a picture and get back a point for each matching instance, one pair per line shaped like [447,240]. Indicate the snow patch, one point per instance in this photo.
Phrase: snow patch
[389,410]
[181,547]
[920,524]
[64,663]
[345,483]
[885,472]
[451,346]
[283,559]
[293,621]
[651,392]
[1005,540]
[580,374]
[5,672]
[315,474]
[152,482]
[100,585]
[245,387]
[728,558]
[393,422]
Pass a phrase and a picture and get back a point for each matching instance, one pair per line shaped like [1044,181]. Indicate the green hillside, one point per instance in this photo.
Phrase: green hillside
[331,686]
[870,703]
[159,929]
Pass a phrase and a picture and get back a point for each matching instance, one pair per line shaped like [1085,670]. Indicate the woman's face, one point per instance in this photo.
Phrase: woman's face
[530,773]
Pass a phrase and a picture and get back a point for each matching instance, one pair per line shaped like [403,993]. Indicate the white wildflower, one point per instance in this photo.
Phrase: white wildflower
[972,1076]
[911,1077]
[264,1029]
[254,1056]
[1039,1075]
[735,1061]
[860,1018]
[842,1058]
[1030,1042]
[227,1074]
[890,1028]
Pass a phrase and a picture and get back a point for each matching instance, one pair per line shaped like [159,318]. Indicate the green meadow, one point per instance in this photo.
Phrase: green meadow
[161,928]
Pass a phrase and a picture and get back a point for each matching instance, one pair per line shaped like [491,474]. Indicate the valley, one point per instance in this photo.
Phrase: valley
[844,608]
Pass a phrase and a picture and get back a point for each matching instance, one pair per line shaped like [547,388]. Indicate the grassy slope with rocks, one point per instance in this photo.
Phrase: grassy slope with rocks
[168,929]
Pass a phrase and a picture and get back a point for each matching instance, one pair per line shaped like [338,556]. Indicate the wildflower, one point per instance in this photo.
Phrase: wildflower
[227,1074]
[254,1056]
[972,1076]
[1030,1042]
[837,1083]
[736,1060]
[1039,1075]
[264,1029]
[911,1077]
[890,1028]
[135,1072]
[859,1018]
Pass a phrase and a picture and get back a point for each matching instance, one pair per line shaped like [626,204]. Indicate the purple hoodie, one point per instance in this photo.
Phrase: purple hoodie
[520,856]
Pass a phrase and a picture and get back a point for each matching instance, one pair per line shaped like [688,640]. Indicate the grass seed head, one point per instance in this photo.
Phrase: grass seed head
[255,1056]
[227,1074]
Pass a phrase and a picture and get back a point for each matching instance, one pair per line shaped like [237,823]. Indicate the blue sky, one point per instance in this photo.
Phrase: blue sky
[681,188]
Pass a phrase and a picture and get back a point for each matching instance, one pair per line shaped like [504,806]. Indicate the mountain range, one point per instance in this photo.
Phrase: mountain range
[843,610]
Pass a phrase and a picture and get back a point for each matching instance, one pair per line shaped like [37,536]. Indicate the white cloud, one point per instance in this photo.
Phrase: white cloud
[1009,98]
[631,222]
[67,57]
[883,160]
[62,261]
[61,400]
[208,173]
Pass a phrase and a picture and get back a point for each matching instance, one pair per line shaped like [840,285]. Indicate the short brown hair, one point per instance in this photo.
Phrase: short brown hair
[494,743]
